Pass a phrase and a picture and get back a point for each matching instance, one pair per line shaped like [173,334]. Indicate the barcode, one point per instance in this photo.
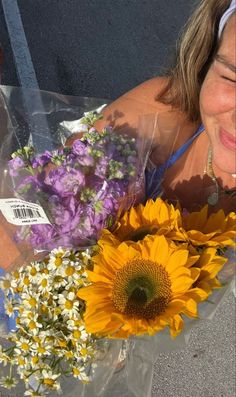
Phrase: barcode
[23,213]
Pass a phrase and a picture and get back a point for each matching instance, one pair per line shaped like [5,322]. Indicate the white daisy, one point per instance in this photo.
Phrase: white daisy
[44,282]
[57,258]
[79,373]
[69,303]
[8,382]
[50,379]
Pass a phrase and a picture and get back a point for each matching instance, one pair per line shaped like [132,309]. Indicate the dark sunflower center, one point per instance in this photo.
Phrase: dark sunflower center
[142,289]
[139,295]
[140,233]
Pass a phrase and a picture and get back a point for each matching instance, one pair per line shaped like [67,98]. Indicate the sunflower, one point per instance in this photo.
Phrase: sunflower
[197,228]
[209,264]
[140,289]
[155,217]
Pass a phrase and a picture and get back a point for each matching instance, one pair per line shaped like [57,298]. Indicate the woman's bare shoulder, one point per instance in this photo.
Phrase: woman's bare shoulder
[148,90]
[140,100]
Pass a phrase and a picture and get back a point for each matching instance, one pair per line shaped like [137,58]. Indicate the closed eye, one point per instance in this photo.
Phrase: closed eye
[227,78]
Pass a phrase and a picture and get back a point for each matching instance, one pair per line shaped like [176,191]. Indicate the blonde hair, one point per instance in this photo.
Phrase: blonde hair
[195,52]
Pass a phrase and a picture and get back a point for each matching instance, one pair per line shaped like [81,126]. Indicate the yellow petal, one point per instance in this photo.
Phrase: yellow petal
[215,222]
[159,250]
[178,273]
[206,256]
[97,321]
[195,273]
[211,270]
[176,325]
[191,308]
[176,260]
[182,284]
[94,277]
[174,307]
[91,291]
[197,294]
[192,260]
[196,220]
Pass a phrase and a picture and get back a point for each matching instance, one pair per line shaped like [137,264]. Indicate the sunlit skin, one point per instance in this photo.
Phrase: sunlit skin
[218,104]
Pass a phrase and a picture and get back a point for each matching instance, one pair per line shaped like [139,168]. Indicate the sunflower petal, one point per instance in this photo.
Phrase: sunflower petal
[181,284]
[191,308]
[177,259]
[159,251]
[197,294]
[176,326]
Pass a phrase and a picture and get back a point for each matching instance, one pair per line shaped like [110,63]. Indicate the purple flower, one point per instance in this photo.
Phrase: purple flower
[41,159]
[41,234]
[15,164]
[102,167]
[80,149]
[66,213]
[65,182]
[30,185]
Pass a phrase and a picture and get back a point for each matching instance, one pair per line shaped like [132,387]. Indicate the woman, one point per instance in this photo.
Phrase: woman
[200,88]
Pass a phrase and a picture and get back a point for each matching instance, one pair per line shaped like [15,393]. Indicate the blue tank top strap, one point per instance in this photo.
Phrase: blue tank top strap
[155,176]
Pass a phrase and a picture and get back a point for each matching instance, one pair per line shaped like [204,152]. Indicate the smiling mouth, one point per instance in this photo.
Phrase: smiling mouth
[227,140]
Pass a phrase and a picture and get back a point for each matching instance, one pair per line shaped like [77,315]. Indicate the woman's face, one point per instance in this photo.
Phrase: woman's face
[218,101]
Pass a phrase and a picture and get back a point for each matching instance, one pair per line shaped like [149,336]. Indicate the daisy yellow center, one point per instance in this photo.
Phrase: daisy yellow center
[76,334]
[142,289]
[33,271]
[41,349]
[68,304]
[26,280]
[58,261]
[32,302]
[76,371]
[24,346]
[70,270]
[49,382]
[32,325]
[35,359]
[44,283]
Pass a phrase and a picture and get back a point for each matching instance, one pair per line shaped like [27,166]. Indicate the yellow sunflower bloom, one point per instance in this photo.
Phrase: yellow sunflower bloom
[209,264]
[155,217]
[217,230]
[140,289]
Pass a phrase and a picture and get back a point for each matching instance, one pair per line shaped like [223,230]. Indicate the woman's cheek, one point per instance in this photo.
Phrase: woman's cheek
[216,97]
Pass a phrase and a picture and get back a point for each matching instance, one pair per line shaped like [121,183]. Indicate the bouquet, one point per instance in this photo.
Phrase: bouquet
[150,273]
[79,187]
[113,267]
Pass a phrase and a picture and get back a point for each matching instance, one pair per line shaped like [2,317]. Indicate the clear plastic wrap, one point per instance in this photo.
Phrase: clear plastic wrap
[79,192]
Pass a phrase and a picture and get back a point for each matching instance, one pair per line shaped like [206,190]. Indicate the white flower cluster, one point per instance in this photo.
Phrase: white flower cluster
[50,339]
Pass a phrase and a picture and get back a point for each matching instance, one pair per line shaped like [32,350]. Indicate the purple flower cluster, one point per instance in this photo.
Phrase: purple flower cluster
[81,188]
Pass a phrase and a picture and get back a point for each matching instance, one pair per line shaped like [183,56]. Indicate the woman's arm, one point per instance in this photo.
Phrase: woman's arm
[123,114]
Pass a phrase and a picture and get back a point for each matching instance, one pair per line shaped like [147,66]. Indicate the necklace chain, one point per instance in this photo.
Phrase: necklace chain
[213,198]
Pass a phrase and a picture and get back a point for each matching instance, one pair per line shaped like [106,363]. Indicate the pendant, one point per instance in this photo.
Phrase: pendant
[213,199]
